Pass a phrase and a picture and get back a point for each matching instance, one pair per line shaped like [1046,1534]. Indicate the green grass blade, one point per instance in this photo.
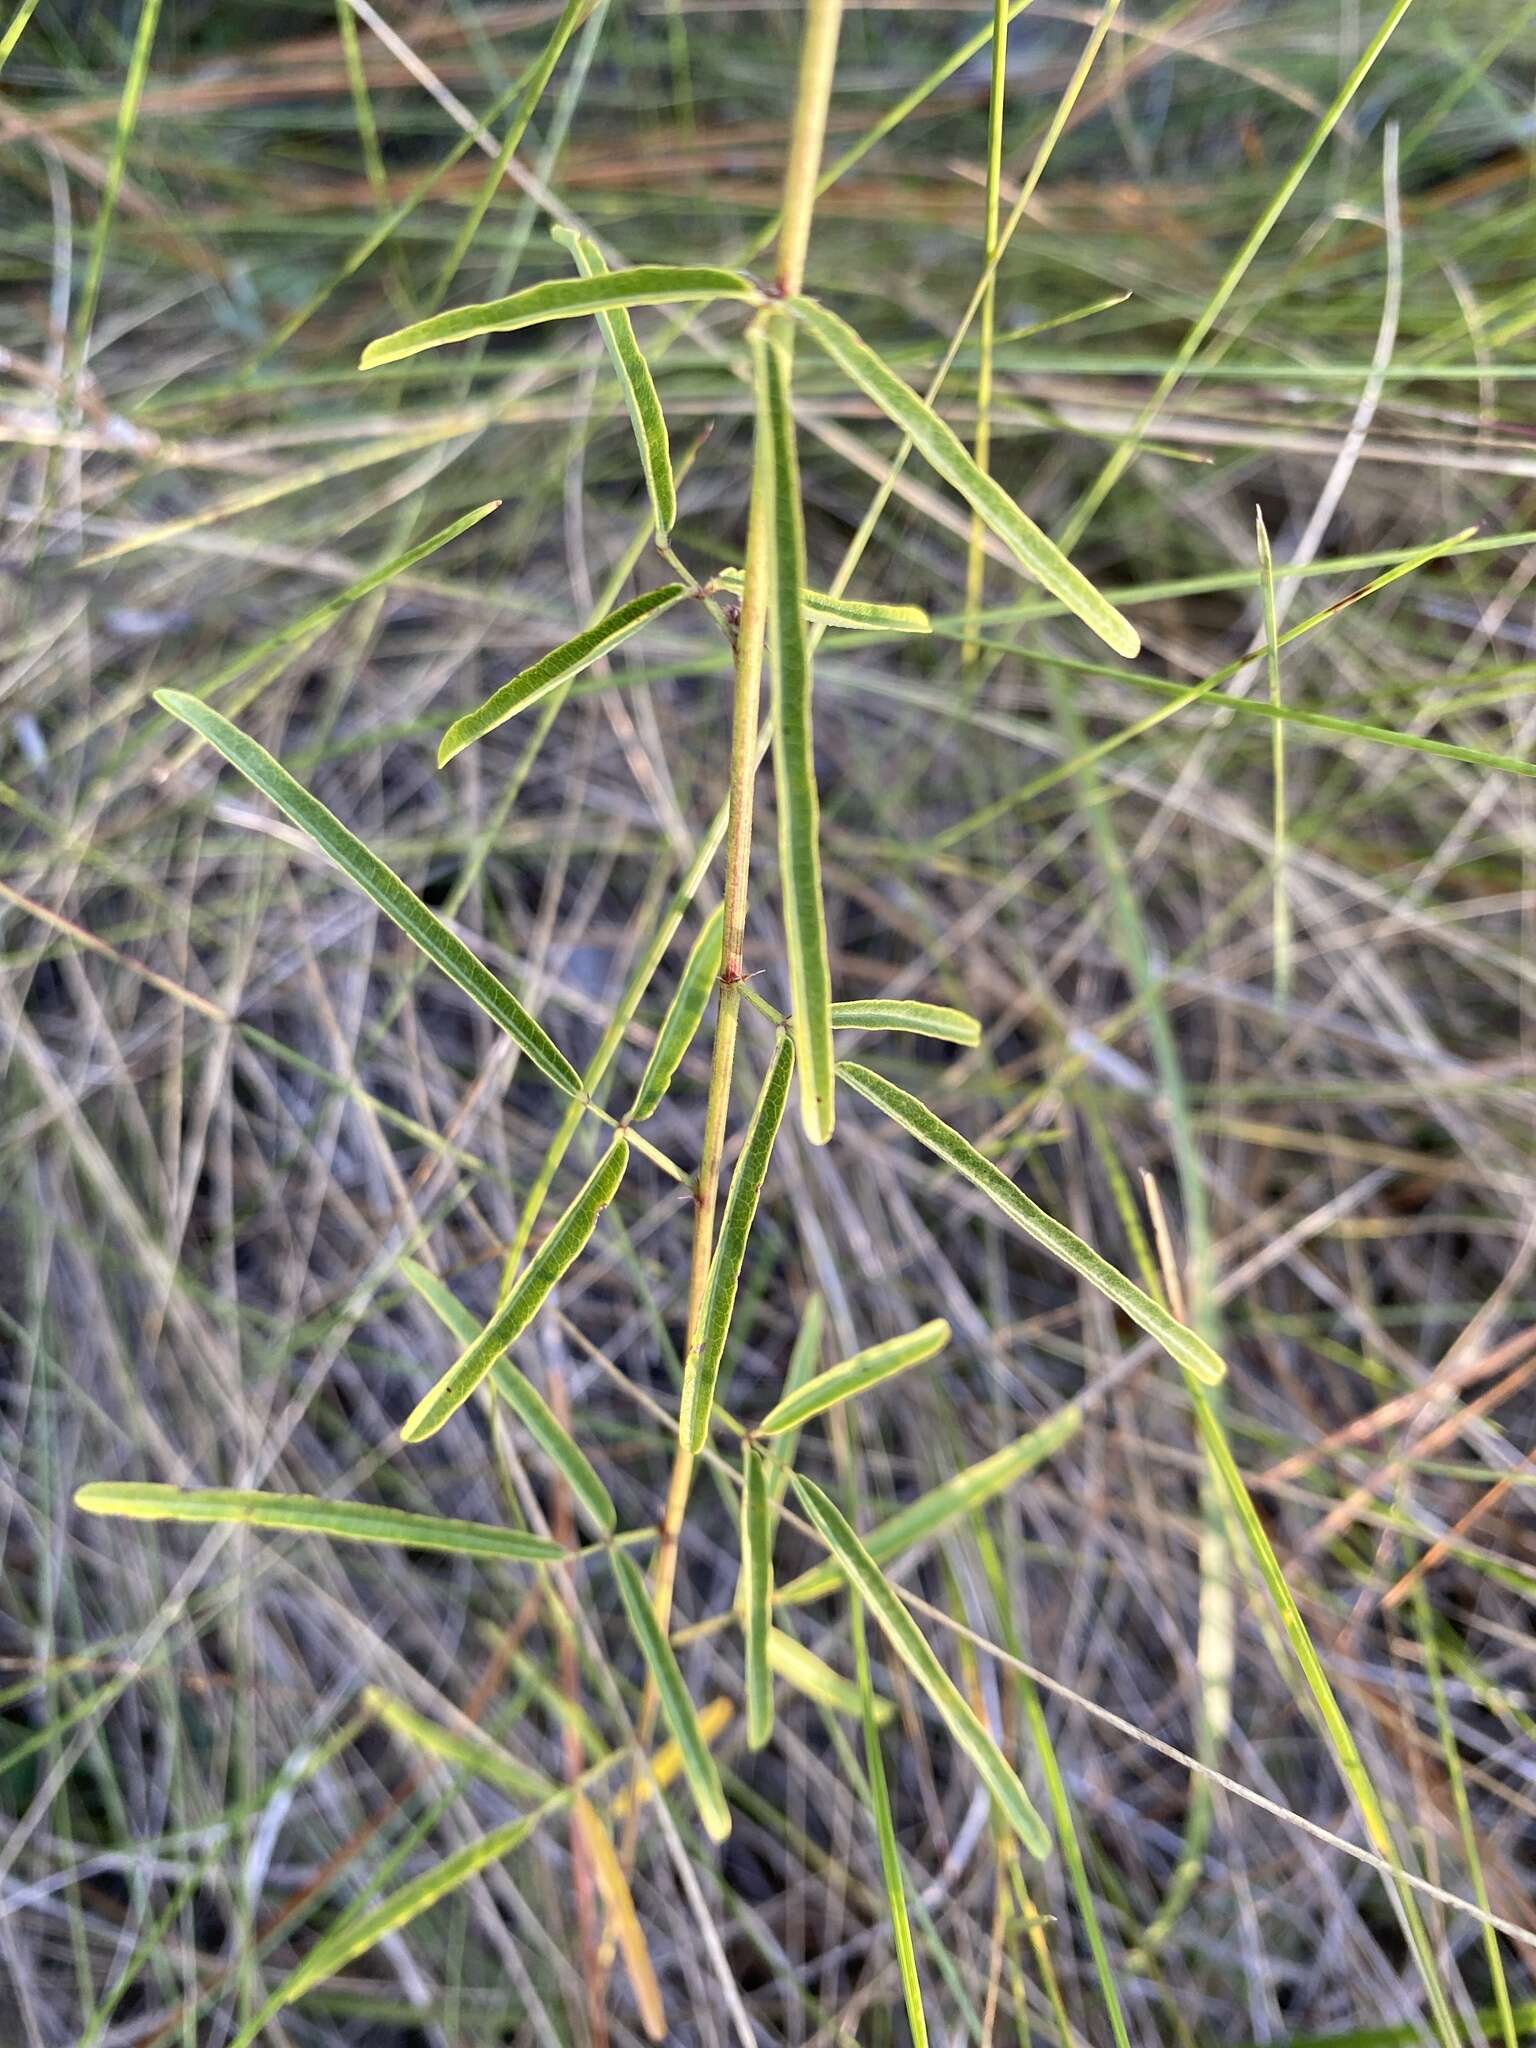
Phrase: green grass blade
[1182,1344]
[525,1401]
[469,1753]
[529,95]
[794,760]
[562,298]
[1466,1827]
[350,1521]
[1281,911]
[637,384]
[296,631]
[558,666]
[851,613]
[923,1020]
[559,1249]
[1340,1736]
[909,1643]
[703,1365]
[398,903]
[129,101]
[684,1015]
[951,1501]
[699,1767]
[865,1369]
[757,1575]
[13,31]
[1038,556]
[885,1835]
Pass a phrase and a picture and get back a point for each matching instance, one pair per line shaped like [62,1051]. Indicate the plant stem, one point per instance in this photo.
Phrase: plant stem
[818,59]
[818,55]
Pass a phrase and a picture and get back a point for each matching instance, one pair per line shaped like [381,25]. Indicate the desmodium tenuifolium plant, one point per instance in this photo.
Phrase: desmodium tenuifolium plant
[772,621]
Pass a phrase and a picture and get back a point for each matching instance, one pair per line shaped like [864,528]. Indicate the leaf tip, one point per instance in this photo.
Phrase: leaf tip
[818,1118]
[1118,632]
[1207,1366]
[421,1422]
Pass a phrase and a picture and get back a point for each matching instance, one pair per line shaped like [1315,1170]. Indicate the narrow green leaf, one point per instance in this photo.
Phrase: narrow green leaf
[865,1369]
[803,1361]
[951,1501]
[318,617]
[757,1572]
[1181,1344]
[923,1020]
[351,1521]
[562,298]
[686,1012]
[398,903]
[805,1671]
[558,666]
[1037,555]
[885,1835]
[852,613]
[703,1366]
[525,1401]
[794,756]
[558,1250]
[637,384]
[354,1937]
[1280,913]
[478,1754]
[557,1444]
[699,1766]
[909,1643]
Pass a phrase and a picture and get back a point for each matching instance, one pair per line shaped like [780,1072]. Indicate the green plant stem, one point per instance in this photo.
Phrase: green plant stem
[818,59]
[975,559]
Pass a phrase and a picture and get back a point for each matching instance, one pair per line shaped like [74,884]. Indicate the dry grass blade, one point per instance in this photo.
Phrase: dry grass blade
[619,1905]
